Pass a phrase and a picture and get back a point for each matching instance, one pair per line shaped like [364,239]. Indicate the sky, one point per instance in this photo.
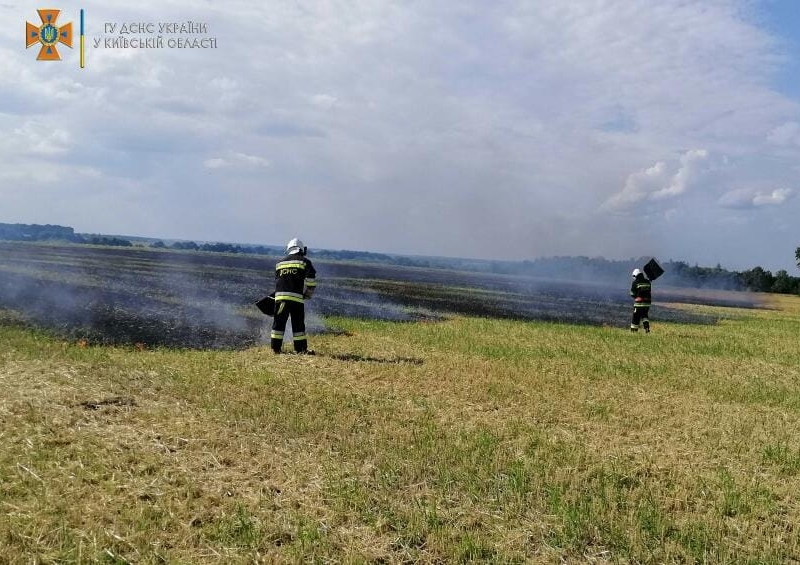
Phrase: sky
[506,129]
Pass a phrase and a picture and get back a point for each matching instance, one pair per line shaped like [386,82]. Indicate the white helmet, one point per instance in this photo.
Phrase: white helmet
[295,246]
[636,273]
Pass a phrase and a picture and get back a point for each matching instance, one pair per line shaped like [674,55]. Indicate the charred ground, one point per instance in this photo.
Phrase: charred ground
[205,300]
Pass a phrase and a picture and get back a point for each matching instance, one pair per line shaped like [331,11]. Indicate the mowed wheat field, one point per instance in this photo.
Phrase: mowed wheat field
[461,440]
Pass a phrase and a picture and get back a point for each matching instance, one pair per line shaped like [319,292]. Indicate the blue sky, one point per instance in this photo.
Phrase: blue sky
[782,18]
[513,129]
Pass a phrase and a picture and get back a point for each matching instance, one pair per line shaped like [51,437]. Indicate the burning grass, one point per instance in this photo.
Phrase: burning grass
[205,301]
[510,442]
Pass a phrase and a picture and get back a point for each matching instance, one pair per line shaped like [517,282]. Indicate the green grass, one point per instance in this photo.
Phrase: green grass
[511,442]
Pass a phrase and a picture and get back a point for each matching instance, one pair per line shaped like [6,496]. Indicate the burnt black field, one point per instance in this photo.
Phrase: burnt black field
[206,300]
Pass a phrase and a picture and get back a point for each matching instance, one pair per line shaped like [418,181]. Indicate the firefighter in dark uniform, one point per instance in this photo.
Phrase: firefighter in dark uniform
[640,291]
[295,281]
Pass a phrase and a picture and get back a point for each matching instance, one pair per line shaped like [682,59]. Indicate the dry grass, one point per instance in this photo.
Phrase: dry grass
[509,442]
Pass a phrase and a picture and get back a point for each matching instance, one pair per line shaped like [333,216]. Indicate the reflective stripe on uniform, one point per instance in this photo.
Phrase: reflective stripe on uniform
[292,296]
[290,265]
[299,336]
[641,305]
[311,282]
[276,335]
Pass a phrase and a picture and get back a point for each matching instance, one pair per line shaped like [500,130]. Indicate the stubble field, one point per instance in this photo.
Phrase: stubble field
[448,439]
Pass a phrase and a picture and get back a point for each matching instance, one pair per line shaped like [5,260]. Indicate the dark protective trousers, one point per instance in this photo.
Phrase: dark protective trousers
[640,314]
[284,309]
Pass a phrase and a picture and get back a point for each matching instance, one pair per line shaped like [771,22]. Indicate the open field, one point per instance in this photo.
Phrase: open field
[460,440]
[205,300]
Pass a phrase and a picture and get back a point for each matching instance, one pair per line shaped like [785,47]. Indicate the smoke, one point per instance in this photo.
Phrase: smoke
[110,296]
[205,300]
[195,300]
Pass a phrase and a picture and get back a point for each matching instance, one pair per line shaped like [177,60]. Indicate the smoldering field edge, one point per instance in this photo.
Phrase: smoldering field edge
[206,300]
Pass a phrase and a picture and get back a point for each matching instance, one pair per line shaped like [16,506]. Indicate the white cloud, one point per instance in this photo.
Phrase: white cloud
[692,164]
[658,182]
[408,123]
[324,101]
[235,159]
[774,198]
[785,134]
[36,138]
[215,163]
[751,198]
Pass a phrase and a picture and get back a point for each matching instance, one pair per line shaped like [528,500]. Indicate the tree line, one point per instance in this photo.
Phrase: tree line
[49,232]
[342,255]
[597,269]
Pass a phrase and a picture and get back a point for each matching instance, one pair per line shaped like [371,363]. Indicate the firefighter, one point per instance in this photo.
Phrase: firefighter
[640,291]
[295,281]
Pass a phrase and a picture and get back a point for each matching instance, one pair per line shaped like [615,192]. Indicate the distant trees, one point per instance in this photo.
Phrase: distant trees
[220,247]
[341,255]
[681,274]
[48,232]
[597,269]
[36,232]
[345,255]
[105,240]
[185,245]
[785,284]
[216,247]
[759,280]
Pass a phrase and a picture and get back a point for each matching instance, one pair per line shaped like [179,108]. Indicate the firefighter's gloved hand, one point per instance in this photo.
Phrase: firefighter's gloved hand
[308,293]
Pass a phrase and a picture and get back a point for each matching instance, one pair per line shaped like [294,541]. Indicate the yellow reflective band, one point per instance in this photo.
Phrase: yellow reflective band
[299,338]
[288,298]
[276,335]
[290,265]
[311,282]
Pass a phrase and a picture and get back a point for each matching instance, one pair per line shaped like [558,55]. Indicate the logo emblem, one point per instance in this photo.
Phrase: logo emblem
[49,34]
